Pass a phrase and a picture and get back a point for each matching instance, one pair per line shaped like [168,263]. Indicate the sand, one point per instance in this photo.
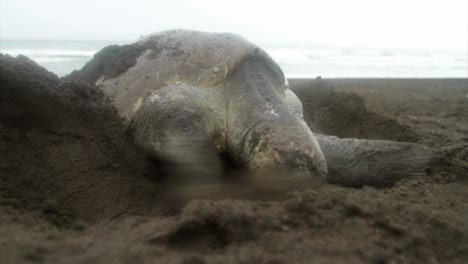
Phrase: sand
[73,189]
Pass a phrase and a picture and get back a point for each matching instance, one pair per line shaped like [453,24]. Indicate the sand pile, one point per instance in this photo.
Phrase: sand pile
[345,114]
[73,189]
[64,150]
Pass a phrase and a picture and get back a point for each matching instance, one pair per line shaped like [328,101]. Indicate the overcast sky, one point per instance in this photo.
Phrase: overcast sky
[428,24]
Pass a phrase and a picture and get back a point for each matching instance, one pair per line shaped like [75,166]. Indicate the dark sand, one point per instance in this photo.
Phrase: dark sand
[73,189]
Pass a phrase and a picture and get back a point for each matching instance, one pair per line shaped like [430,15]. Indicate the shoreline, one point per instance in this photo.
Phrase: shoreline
[295,81]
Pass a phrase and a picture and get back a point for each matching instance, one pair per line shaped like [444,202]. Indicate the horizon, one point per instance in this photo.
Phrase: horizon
[265,44]
[64,56]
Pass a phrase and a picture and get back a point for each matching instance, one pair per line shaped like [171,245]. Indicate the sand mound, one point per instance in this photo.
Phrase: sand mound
[345,115]
[64,150]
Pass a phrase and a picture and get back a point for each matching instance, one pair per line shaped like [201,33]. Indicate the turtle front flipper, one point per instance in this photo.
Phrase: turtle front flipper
[380,163]
[177,125]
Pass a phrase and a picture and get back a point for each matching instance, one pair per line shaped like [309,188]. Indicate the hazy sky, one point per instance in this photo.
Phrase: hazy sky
[425,24]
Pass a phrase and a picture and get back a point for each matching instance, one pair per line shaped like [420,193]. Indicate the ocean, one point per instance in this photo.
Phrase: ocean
[328,61]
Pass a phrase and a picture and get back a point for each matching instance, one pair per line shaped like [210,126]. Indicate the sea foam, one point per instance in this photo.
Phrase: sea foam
[62,57]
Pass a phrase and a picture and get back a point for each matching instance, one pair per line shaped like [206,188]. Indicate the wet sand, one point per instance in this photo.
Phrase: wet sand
[73,189]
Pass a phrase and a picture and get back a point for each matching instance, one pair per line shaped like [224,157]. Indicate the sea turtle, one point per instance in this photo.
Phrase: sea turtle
[189,96]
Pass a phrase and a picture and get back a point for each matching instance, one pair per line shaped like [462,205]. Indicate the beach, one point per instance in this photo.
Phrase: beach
[74,189]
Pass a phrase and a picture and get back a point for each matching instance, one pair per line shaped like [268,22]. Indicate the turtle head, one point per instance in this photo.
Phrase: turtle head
[286,146]
[265,124]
